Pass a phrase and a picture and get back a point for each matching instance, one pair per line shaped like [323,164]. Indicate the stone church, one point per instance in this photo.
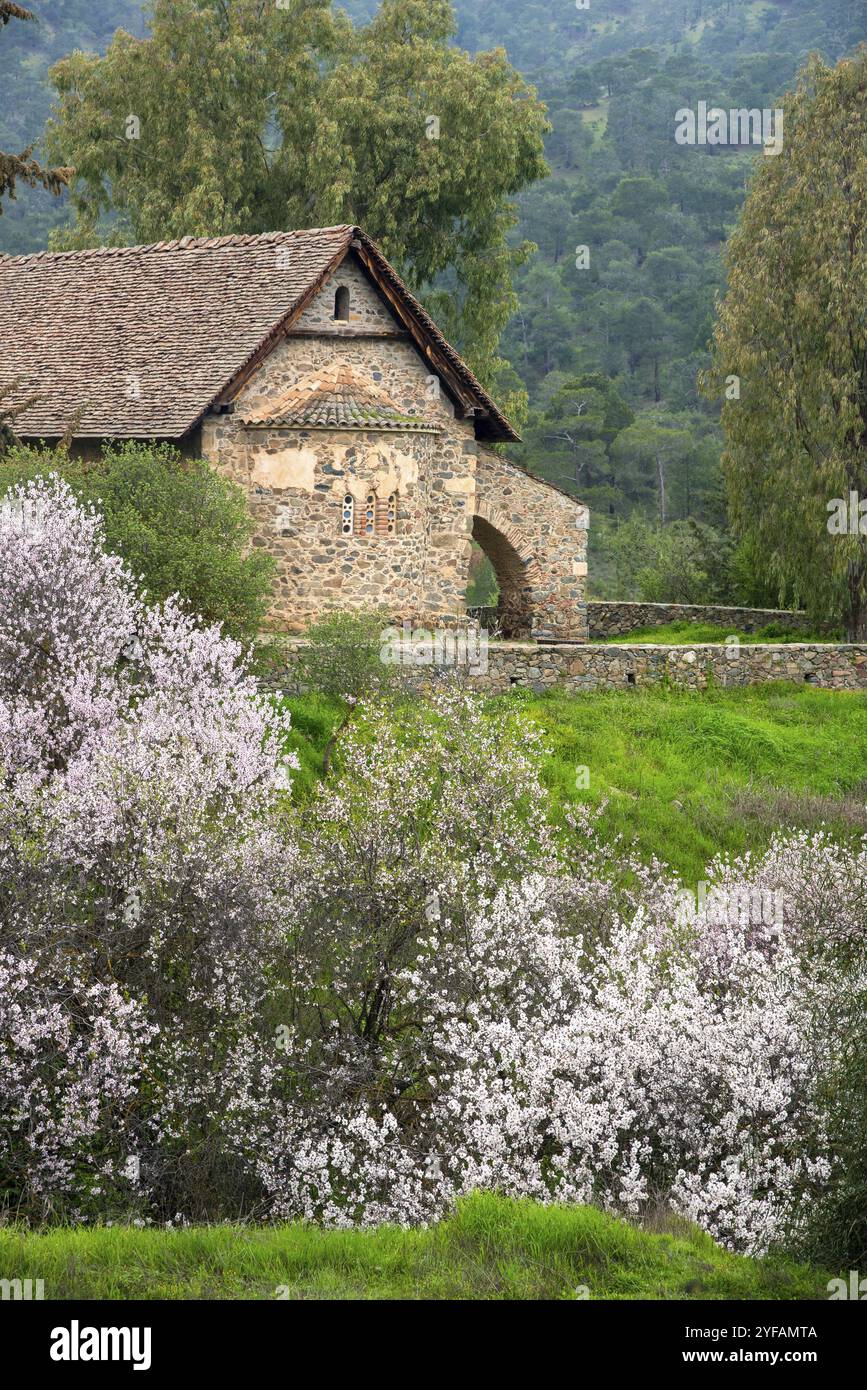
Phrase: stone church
[301,367]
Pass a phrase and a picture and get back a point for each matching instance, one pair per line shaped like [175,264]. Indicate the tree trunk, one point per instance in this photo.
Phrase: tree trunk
[856,608]
[856,621]
[660,477]
[331,745]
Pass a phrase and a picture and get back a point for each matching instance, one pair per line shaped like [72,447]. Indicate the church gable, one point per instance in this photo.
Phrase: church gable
[348,302]
[356,316]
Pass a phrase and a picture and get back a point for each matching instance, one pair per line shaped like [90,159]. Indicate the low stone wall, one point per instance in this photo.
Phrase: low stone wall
[575,668]
[617,619]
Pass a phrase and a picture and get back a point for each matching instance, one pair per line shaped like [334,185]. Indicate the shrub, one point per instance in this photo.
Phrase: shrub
[178,525]
[343,656]
[835,1231]
[683,562]
[70,1066]
[824,890]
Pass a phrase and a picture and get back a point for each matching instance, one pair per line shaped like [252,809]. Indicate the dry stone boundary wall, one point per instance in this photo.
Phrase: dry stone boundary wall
[575,668]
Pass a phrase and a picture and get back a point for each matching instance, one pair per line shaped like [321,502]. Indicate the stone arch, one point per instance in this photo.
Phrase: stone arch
[515,565]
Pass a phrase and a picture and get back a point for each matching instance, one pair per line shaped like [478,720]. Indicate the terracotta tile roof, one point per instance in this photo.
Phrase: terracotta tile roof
[336,397]
[139,341]
[143,338]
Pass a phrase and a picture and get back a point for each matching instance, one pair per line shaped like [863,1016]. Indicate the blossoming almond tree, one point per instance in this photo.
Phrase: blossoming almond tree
[634,1069]
[475,1010]
[139,776]
[215,1006]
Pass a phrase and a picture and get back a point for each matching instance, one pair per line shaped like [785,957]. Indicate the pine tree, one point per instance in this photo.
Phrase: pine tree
[23,167]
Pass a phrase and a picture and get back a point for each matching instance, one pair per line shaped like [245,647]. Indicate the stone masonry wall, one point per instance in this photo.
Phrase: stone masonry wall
[296,479]
[574,669]
[618,619]
[536,539]
[449,488]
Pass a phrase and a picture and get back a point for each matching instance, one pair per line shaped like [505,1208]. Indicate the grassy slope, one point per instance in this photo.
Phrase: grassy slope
[687,633]
[492,1248]
[687,774]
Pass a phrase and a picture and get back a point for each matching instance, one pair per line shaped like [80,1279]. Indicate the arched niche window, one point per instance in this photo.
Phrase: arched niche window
[342,300]
[348,525]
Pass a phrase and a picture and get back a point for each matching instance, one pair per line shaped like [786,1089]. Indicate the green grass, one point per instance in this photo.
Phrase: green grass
[314,717]
[491,1248]
[684,774]
[685,633]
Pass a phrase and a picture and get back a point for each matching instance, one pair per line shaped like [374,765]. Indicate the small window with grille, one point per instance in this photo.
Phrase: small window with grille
[386,516]
[378,516]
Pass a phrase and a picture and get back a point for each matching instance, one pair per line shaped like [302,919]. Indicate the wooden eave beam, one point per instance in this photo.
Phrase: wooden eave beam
[456,390]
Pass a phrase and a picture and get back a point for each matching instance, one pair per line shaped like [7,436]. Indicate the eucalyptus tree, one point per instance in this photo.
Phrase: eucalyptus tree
[790,349]
[23,168]
[235,116]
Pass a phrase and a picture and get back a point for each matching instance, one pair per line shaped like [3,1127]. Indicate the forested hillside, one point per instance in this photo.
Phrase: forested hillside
[27,52]
[608,339]
[653,215]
